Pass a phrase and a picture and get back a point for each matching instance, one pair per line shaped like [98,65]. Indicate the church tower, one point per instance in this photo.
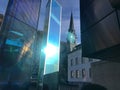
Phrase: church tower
[71,36]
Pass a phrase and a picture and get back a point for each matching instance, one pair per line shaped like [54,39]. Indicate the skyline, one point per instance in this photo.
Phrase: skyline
[73,7]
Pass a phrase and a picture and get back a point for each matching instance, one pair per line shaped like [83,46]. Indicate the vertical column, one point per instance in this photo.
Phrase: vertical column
[52,45]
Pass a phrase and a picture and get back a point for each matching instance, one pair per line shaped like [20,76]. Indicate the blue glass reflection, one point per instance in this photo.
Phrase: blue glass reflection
[56,9]
[53,39]
[54,32]
[26,11]
[55,18]
[17,33]
[14,42]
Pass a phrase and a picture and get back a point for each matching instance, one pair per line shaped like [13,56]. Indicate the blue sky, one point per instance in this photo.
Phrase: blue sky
[3,4]
[68,6]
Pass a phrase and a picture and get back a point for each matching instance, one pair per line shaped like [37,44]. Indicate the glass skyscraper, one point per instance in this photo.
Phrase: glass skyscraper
[17,37]
[51,43]
[18,30]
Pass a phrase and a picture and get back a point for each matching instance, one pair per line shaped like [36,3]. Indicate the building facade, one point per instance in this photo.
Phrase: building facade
[106,74]
[79,68]
[18,24]
[35,78]
[17,38]
[100,29]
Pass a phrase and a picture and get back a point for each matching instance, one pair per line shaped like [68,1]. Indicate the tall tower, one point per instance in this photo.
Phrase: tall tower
[51,45]
[71,36]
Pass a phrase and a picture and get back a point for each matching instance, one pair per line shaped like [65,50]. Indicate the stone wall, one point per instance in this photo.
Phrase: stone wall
[106,74]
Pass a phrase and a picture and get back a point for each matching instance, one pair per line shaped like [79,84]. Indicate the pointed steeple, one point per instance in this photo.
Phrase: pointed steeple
[71,36]
[71,26]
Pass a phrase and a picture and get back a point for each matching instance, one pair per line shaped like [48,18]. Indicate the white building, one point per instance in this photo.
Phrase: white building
[79,68]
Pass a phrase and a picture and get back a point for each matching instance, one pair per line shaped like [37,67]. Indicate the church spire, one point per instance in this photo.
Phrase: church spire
[71,36]
[71,26]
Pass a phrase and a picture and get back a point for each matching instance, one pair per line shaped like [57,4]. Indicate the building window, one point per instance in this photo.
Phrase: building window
[83,73]
[77,73]
[73,74]
[77,60]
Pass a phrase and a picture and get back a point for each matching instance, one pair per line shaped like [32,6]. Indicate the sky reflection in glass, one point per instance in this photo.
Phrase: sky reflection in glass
[53,39]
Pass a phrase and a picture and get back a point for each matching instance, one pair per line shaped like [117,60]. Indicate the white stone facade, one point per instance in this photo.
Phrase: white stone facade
[79,68]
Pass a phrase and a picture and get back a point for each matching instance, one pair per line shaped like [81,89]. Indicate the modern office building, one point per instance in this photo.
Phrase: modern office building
[100,29]
[35,78]
[18,33]
[51,44]
[79,68]
[18,29]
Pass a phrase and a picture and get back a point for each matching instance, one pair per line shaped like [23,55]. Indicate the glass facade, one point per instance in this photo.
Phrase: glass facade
[51,46]
[18,30]
[100,29]
[17,41]
[25,11]
[53,39]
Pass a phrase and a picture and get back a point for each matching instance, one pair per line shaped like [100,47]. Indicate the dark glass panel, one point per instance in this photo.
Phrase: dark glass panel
[24,29]
[16,42]
[103,35]
[27,13]
[12,6]
[25,10]
[119,16]
[115,3]
[97,10]
[85,4]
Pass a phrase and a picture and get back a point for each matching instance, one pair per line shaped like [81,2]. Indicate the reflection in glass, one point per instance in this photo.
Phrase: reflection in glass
[53,39]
